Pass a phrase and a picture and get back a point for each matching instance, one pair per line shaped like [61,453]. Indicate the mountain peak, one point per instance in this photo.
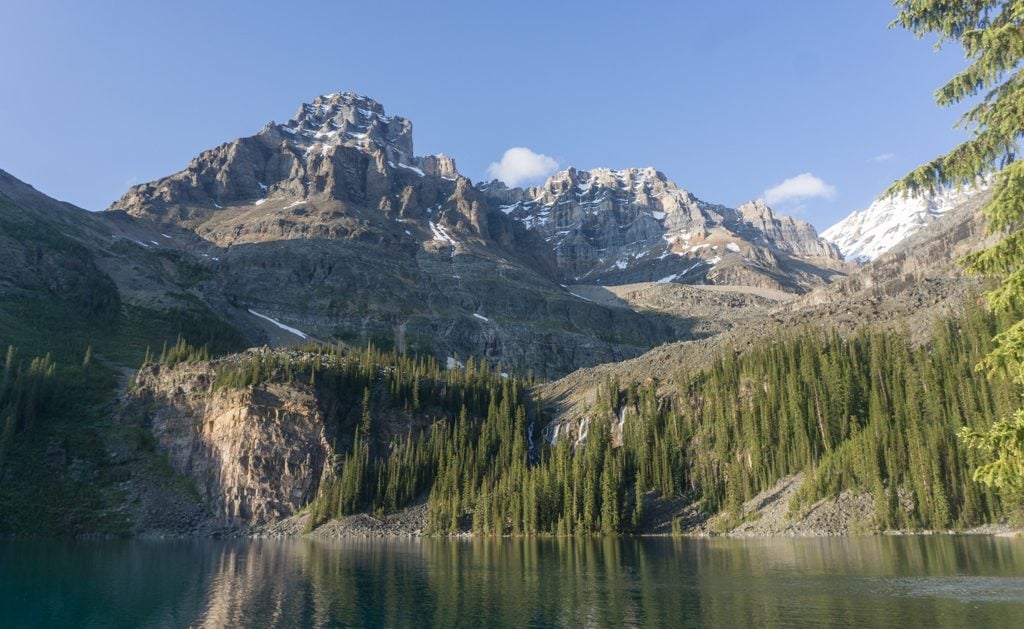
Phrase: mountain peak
[608,176]
[361,107]
[866,234]
[759,210]
[349,119]
[758,205]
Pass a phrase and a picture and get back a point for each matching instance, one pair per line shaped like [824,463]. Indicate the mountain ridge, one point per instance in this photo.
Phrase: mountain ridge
[621,226]
[343,153]
[317,222]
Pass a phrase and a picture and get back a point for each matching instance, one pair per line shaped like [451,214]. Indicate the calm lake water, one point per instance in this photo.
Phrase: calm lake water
[942,581]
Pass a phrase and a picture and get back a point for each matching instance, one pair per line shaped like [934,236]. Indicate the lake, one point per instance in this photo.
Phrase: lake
[924,581]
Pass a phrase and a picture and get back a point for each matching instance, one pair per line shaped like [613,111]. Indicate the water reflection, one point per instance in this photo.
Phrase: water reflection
[876,581]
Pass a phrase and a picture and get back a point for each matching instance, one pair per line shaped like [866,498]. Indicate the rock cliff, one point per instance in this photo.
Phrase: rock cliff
[255,455]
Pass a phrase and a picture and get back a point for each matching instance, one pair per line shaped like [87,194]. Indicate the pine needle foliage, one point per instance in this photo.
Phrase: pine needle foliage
[869,413]
[991,33]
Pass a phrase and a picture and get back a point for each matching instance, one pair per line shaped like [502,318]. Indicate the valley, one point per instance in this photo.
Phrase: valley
[314,328]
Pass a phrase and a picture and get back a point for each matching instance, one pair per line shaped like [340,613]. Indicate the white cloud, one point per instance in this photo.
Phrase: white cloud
[520,165]
[884,157]
[803,186]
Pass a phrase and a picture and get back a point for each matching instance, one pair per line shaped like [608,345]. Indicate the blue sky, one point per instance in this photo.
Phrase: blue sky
[728,99]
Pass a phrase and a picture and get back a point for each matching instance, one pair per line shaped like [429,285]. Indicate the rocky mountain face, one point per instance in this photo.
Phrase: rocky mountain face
[338,155]
[624,226]
[254,455]
[907,288]
[866,234]
[102,268]
[39,261]
[330,226]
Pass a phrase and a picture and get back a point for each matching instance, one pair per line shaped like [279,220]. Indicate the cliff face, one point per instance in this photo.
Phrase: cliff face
[254,455]
[759,224]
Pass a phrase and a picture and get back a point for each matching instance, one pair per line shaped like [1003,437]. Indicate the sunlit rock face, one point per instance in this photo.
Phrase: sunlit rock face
[634,225]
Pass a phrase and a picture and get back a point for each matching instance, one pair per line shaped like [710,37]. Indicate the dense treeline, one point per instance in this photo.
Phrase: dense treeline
[37,393]
[410,382]
[869,412]
[481,465]
[478,461]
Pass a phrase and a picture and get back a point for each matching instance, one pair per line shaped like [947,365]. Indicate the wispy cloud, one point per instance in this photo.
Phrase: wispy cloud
[884,157]
[521,165]
[800,187]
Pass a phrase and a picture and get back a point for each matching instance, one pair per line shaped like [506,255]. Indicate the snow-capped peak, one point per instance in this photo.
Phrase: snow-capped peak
[347,119]
[866,234]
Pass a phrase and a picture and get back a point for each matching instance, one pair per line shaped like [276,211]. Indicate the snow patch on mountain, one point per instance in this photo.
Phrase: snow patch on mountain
[286,328]
[866,234]
[352,120]
[441,233]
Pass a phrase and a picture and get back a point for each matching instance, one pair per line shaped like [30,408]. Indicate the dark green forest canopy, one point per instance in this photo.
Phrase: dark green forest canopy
[868,413]
[991,33]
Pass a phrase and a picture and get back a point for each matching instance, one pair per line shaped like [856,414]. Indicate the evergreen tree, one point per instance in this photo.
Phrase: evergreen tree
[992,35]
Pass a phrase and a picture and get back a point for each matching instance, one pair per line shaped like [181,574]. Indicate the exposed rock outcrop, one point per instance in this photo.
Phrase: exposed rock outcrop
[254,455]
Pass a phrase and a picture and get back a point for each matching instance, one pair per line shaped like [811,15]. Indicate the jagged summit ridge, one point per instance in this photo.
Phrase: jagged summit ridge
[341,146]
[635,224]
[349,119]
[345,118]
[342,167]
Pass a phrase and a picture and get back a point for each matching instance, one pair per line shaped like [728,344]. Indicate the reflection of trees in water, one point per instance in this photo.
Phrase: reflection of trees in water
[583,582]
[874,581]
